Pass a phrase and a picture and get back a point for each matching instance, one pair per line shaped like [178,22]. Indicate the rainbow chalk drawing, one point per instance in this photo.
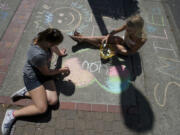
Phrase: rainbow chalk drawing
[83,74]
[118,80]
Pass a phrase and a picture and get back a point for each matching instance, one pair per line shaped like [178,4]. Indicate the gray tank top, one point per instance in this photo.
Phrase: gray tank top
[36,57]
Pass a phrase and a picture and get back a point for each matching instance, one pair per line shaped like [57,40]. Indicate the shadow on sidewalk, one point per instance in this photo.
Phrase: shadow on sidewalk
[136,110]
[116,9]
[65,87]
[139,117]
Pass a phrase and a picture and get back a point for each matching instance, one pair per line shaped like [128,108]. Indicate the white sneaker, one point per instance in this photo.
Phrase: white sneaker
[19,93]
[7,122]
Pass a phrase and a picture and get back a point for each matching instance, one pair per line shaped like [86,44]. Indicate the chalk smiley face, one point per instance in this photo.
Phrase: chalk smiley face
[66,18]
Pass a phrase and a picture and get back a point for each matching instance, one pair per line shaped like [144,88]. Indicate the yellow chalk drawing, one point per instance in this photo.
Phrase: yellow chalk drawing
[165,93]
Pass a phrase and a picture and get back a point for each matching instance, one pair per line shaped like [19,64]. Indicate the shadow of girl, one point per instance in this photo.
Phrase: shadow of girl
[138,117]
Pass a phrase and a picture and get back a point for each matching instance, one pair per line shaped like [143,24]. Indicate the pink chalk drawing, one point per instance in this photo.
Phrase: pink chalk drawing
[115,81]
[118,79]
[79,76]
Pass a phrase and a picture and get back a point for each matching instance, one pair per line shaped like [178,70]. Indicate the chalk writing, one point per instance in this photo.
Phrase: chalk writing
[169,67]
[165,93]
[92,67]
[164,48]
[165,37]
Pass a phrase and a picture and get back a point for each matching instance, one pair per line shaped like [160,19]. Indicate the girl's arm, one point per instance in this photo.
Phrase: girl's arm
[113,32]
[50,72]
[61,52]
[138,45]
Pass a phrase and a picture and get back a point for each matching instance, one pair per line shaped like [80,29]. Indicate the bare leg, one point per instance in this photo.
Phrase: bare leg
[121,49]
[96,41]
[39,105]
[50,92]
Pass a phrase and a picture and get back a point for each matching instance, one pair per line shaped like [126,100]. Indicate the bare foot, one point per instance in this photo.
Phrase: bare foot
[75,38]
[77,33]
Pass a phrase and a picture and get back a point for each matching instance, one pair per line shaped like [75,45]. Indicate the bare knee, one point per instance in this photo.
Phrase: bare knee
[42,109]
[53,101]
[121,48]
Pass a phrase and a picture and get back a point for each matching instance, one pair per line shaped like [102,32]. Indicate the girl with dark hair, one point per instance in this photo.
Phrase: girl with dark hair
[37,75]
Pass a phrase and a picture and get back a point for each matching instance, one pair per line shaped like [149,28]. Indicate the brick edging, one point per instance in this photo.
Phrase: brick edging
[68,105]
[12,35]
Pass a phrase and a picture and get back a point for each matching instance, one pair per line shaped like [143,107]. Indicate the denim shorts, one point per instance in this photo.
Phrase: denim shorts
[35,81]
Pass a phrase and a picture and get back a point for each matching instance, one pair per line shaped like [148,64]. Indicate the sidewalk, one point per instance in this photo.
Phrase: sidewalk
[66,122]
[129,95]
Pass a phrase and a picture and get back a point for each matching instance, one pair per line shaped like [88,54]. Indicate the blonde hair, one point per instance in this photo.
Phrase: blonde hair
[137,22]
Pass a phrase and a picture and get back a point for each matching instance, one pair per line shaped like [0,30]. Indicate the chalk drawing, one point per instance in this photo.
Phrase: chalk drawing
[153,21]
[156,11]
[66,18]
[48,17]
[43,18]
[92,67]
[46,7]
[3,5]
[165,37]
[165,93]
[117,82]
[3,15]
[85,13]
[165,49]
[151,28]
[83,74]
[170,67]
[79,76]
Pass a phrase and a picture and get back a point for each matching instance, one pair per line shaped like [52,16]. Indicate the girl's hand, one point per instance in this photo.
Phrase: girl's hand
[65,71]
[105,40]
[63,52]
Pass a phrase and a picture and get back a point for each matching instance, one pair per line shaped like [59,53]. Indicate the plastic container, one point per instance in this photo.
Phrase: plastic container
[106,51]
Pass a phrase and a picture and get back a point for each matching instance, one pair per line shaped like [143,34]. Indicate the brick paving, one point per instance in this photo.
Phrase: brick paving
[12,35]
[68,122]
